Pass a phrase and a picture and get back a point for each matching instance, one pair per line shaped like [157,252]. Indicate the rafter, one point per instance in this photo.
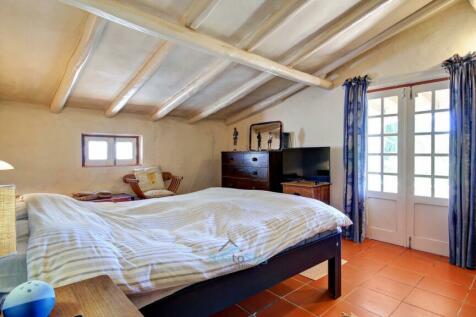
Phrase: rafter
[131,17]
[250,42]
[354,16]
[413,19]
[92,33]
[198,12]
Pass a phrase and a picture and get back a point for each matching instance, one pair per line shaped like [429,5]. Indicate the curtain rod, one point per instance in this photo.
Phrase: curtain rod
[409,84]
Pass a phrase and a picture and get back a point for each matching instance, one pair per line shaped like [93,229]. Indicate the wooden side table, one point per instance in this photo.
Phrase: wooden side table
[319,191]
[95,297]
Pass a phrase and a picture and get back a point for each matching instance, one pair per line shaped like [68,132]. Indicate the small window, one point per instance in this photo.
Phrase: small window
[110,150]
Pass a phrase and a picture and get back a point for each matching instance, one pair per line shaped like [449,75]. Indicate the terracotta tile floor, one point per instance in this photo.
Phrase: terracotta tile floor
[379,279]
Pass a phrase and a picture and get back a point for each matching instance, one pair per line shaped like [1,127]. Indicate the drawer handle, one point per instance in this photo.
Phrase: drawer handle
[297,194]
[254,159]
[255,173]
[232,159]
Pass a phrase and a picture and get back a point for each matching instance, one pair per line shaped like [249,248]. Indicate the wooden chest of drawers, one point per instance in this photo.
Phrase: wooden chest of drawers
[252,170]
[319,191]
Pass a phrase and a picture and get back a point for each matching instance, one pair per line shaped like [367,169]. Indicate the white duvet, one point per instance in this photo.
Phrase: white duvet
[167,243]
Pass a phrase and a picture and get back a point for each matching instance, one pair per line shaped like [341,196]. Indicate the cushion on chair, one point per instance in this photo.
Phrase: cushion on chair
[149,178]
[158,193]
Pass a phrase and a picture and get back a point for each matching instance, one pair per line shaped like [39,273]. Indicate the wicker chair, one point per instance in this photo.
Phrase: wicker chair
[173,181]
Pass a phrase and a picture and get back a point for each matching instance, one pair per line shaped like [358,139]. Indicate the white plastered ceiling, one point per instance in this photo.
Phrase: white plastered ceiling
[38,38]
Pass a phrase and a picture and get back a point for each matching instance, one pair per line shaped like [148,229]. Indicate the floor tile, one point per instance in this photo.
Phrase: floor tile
[286,286]
[315,300]
[389,287]
[284,309]
[232,311]
[442,287]
[302,278]
[414,264]
[471,299]
[346,286]
[344,307]
[467,311]
[406,310]
[453,274]
[254,303]
[433,302]
[366,264]
[401,275]
[373,301]
[355,275]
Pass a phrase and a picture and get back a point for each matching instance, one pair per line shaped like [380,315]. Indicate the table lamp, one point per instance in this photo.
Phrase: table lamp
[7,215]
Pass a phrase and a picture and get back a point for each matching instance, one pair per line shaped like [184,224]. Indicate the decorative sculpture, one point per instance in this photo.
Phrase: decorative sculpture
[270,140]
[235,138]
[259,141]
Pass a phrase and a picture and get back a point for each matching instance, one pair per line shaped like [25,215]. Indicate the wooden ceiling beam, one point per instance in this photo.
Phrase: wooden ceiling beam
[357,14]
[92,33]
[198,12]
[129,16]
[413,19]
[250,42]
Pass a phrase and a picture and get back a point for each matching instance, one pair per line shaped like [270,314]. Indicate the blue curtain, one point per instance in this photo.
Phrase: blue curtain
[355,165]
[462,200]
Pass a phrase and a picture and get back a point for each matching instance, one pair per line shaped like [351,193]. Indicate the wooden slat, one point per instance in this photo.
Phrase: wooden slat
[199,9]
[352,17]
[92,33]
[417,17]
[131,17]
[250,42]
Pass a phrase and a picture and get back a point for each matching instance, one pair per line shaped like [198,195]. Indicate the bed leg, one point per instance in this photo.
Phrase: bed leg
[335,273]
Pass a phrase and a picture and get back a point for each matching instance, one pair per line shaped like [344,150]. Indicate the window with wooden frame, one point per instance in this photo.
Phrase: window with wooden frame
[100,150]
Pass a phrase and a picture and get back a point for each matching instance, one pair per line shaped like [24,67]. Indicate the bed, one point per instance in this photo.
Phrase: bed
[218,243]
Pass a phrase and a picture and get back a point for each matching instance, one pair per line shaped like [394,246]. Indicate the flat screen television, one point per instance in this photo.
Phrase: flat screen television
[309,163]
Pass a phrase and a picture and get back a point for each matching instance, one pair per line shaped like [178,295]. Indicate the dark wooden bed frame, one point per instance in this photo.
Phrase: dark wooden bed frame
[214,295]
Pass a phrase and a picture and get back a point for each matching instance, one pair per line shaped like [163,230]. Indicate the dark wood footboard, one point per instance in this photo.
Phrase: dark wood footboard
[214,295]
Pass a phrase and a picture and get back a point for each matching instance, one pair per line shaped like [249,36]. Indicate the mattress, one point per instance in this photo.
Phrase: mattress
[163,245]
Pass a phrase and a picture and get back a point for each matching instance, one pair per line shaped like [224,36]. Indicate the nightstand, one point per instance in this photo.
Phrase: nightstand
[95,297]
[319,191]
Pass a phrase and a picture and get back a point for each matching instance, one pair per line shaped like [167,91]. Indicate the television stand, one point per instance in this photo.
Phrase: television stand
[310,189]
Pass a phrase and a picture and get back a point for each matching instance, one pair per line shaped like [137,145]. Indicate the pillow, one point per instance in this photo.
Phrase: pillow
[20,209]
[149,178]
[158,193]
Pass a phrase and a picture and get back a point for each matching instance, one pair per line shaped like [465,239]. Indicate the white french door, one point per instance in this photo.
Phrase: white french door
[385,178]
[407,182]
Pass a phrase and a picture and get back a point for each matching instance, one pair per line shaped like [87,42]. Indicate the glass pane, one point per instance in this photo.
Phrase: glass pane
[390,105]
[442,99]
[442,121]
[124,150]
[373,163]
[423,144]
[375,126]
[390,144]
[442,165]
[375,107]
[390,183]
[422,186]
[390,164]
[423,122]
[374,144]
[97,150]
[422,165]
[390,124]
[442,143]
[373,182]
[442,188]
[423,101]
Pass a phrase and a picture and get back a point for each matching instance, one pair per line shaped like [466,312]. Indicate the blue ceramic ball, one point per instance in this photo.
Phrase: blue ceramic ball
[30,299]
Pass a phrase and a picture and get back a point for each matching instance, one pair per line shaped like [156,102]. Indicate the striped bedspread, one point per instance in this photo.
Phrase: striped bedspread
[166,243]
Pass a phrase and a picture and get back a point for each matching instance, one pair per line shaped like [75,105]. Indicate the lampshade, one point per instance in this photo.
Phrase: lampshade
[5,166]
[7,220]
